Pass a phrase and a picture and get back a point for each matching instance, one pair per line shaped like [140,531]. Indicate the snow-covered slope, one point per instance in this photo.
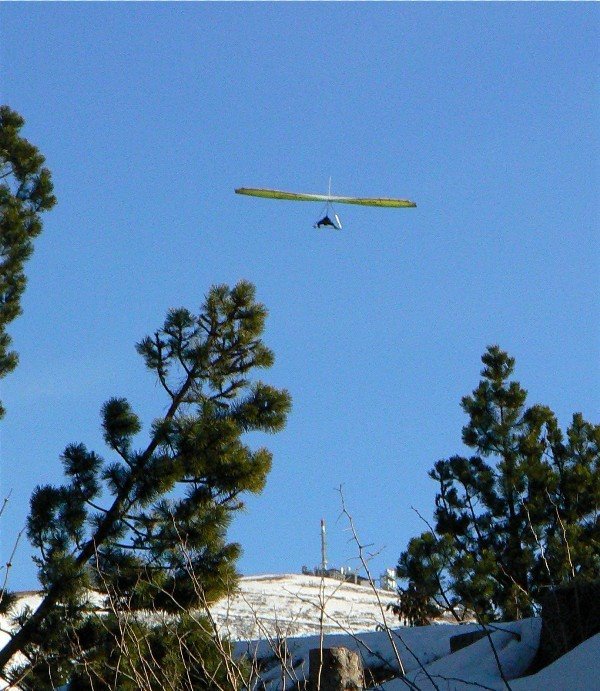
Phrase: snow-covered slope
[268,612]
[295,605]
[284,605]
[425,655]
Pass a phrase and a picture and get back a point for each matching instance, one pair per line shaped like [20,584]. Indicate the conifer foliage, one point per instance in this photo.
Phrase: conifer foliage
[147,525]
[25,192]
[518,517]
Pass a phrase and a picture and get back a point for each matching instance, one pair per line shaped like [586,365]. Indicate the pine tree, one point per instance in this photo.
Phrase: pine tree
[25,192]
[519,516]
[147,527]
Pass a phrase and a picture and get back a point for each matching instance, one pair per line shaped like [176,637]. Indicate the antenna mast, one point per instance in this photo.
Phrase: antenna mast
[323,547]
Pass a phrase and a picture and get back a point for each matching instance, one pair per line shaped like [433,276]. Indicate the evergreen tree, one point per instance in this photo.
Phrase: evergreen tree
[147,527]
[25,192]
[519,516]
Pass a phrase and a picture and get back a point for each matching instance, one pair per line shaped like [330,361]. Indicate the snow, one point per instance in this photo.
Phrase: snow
[287,605]
[424,652]
[578,670]
[477,664]
[281,604]
[276,617]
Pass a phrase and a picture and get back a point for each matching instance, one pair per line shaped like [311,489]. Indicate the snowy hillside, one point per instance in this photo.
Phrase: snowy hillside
[297,605]
[270,608]
[291,611]
[289,607]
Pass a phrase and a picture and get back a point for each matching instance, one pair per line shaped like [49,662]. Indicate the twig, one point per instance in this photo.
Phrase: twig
[381,608]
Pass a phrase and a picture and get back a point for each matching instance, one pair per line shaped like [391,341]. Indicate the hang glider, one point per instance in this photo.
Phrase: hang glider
[300,197]
[329,199]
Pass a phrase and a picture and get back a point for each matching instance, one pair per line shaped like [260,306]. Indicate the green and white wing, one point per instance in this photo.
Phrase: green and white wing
[374,201]
[301,197]
[279,194]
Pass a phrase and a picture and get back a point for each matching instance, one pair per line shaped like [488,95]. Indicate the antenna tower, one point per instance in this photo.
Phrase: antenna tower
[323,547]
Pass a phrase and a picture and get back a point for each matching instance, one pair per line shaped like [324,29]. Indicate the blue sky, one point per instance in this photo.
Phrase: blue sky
[150,114]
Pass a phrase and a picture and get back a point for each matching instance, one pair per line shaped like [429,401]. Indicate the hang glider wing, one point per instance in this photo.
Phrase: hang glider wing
[300,197]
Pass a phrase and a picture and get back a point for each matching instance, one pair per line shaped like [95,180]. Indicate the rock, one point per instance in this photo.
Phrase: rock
[335,669]
[570,615]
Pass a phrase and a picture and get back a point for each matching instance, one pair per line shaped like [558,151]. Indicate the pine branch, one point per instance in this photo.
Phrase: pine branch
[32,625]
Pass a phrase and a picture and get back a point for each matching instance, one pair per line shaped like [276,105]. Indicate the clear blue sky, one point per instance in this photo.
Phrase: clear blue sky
[150,114]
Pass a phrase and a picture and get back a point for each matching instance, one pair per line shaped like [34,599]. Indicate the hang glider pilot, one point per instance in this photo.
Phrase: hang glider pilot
[326,221]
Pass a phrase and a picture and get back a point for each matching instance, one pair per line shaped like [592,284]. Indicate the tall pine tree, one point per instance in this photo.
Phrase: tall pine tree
[518,517]
[147,526]
[25,192]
